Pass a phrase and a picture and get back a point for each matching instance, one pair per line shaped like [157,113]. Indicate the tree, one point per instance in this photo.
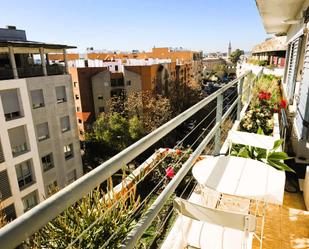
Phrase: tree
[234,57]
[220,71]
[115,131]
[136,129]
[153,110]
[185,94]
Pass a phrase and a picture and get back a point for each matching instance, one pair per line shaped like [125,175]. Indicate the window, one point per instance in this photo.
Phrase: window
[100,97]
[117,82]
[30,201]
[24,174]
[128,82]
[75,84]
[18,140]
[52,188]
[68,151]
[80,121]
[61,94]
[76,96]
[116,68]
[71,176]
[113,82]
[11,104]
[37,98]
[9,212]
[65,123]
[47,162]
[78,109]
[42,131]
[101,109]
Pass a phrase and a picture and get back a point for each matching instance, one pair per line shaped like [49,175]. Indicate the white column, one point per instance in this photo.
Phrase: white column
[65,61]
[13,62]
[43,62]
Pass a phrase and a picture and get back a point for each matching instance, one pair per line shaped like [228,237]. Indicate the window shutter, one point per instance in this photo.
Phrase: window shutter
[292,70]
[302,115]
[5,188]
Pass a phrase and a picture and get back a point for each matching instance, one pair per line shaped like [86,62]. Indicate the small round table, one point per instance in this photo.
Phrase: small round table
[242,177]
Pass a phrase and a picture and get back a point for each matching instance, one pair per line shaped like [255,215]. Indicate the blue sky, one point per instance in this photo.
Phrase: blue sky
[138,24]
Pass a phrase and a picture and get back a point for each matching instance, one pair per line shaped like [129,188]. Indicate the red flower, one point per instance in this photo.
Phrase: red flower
[178,152]
[264,95]
[283,103]
[268,95]
[261,95]
[169,172]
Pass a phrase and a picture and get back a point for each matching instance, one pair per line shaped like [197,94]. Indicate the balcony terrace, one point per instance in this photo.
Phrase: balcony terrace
[23,59]
[138,213]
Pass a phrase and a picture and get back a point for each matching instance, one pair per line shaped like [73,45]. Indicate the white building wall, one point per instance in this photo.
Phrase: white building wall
[32,154]
[51,113]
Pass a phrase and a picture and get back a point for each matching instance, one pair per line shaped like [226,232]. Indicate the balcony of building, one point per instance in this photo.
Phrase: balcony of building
[25,59]
[220,191]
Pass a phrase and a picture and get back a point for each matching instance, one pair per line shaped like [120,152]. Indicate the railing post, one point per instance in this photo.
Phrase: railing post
[239,90]
[218,120]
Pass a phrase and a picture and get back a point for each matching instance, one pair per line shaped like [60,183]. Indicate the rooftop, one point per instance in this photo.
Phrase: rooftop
[272,44]
[11,36]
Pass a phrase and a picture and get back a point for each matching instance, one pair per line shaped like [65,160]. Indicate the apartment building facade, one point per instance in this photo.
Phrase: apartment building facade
[193,59]
[83,96]
[39,141]
[272,51]
[102,76]
[155,78]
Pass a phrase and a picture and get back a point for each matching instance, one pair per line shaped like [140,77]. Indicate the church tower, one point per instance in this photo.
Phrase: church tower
[229,51]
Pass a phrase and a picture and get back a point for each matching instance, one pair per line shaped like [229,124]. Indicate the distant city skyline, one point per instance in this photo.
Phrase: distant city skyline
[128,25]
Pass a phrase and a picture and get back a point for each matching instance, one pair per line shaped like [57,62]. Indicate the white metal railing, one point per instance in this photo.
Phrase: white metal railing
[27,224]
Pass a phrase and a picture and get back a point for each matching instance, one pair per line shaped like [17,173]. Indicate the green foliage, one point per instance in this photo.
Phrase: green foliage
[136,129]
[108,213]
[267,83]
[173,159]
[234,57]
[266,96]
[273,158]
[262,63]
[115,131]
[258,117]
[253,61]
